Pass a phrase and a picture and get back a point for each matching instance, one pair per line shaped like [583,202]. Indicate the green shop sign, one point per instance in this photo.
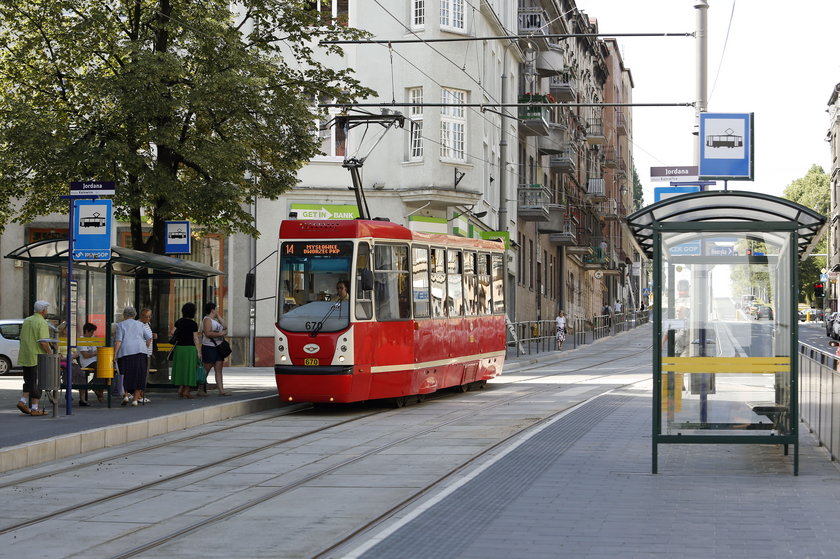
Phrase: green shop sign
[324,211]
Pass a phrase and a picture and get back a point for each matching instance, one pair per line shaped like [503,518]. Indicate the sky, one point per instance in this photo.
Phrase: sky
[780,62]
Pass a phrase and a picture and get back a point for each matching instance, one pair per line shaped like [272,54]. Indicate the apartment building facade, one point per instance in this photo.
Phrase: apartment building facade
[833,245]
[511,132]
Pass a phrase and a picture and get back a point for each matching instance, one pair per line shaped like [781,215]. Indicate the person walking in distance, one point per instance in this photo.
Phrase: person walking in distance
[33,335]
[213,330]
[561,329]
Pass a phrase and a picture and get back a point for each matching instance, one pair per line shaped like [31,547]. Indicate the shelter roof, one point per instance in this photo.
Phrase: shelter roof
[125,261]
[727,206]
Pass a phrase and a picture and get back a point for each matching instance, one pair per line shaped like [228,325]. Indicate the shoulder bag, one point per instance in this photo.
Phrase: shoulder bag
[222,348]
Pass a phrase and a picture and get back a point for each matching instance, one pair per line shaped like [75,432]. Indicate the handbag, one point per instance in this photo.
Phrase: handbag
[200,374]
[222,348]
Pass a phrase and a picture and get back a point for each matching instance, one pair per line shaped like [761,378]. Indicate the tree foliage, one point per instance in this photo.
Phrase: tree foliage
[191,107]
[811,191]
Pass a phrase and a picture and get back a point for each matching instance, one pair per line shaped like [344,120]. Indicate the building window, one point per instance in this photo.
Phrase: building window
[330,10]
[332,138]
[453,124]
[452,14]
[418,13]
[415,116]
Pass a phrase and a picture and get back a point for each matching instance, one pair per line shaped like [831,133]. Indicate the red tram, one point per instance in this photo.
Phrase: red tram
[425,311]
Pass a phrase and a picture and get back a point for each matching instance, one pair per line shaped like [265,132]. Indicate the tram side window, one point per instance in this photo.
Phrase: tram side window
[437,269]
[498,284]
[391,282]
[363,300]
[483,284]
[420,281]
[470,284]
[454,277]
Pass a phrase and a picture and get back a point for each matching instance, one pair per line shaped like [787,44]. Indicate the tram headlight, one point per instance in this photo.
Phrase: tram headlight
[282,358]
[281,348]
[341,358]
[344,348]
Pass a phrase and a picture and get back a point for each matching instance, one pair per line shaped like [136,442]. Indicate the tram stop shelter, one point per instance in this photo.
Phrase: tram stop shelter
[725,287]
[131,278]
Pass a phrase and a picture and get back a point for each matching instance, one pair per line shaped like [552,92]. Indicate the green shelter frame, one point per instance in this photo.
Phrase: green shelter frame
[725,285]
[47,263]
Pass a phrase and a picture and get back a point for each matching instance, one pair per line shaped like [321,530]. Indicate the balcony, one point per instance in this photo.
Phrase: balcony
[550,62]
[620,122]
[594,261]
[566,159]
[609,157]
[595,131]
[609,209]
[563,88]
[566,236]
[622,167]
[596,189]
[533,120]
[532,202]
[553,143]
[533,21]
[557,216]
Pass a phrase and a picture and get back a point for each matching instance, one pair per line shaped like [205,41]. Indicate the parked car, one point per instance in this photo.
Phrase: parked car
[9,344]
[763,311]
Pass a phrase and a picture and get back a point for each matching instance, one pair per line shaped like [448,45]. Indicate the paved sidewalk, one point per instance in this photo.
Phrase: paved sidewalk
[581,487]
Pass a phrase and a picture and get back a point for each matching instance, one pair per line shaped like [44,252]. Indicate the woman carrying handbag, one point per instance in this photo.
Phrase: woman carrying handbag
[214,348]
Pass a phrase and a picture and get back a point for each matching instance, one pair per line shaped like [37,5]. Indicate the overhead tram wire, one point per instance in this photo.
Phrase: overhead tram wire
[497,38]
[502,105]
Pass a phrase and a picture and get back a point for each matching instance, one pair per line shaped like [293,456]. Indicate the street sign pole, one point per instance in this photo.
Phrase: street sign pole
[78,191]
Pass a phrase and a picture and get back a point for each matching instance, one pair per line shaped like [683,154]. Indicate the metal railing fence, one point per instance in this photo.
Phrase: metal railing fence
[538,336]
[819,408]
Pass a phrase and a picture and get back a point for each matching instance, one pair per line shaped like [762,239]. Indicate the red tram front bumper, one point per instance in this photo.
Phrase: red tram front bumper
[342,384]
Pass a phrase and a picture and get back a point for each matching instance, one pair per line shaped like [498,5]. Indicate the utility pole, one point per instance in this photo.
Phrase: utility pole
[702,7]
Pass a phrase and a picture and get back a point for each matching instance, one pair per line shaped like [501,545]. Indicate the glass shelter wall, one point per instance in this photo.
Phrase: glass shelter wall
[726,320]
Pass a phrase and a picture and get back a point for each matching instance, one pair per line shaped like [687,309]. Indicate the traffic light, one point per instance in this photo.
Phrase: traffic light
[819,289]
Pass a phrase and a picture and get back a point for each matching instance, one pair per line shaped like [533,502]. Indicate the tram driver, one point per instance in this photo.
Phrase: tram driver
[342,291]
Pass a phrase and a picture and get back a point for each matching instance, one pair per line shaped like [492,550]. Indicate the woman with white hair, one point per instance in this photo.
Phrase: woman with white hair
[131,340]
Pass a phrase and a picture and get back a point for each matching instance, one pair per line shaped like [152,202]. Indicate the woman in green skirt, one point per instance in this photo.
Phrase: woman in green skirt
[186,352]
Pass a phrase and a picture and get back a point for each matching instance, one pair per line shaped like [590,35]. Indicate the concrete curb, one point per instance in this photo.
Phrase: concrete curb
[39,452]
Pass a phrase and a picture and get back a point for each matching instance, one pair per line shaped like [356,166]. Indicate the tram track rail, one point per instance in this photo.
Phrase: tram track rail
[233,511]
[405,502]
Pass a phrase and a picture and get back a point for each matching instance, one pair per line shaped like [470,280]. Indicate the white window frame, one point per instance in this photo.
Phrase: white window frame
[453,16]
[418,14]
[333,7]
[453,125]
[415,117]
[325,134]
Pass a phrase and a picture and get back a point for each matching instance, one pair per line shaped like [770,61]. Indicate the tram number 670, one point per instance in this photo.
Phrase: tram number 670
[314,325]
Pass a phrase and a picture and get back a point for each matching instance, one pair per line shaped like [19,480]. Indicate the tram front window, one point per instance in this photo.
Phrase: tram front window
[307,297]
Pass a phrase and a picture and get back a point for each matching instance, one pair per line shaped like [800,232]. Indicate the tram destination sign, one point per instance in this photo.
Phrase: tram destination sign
[92,188]
[315,248]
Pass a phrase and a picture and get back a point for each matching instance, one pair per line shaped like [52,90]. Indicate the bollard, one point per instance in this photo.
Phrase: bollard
[105,362]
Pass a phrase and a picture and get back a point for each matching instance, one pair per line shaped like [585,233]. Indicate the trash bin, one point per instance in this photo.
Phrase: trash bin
[105,362]
[49,366]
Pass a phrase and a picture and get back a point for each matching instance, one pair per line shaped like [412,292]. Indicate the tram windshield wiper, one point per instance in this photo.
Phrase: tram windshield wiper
[320,323]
